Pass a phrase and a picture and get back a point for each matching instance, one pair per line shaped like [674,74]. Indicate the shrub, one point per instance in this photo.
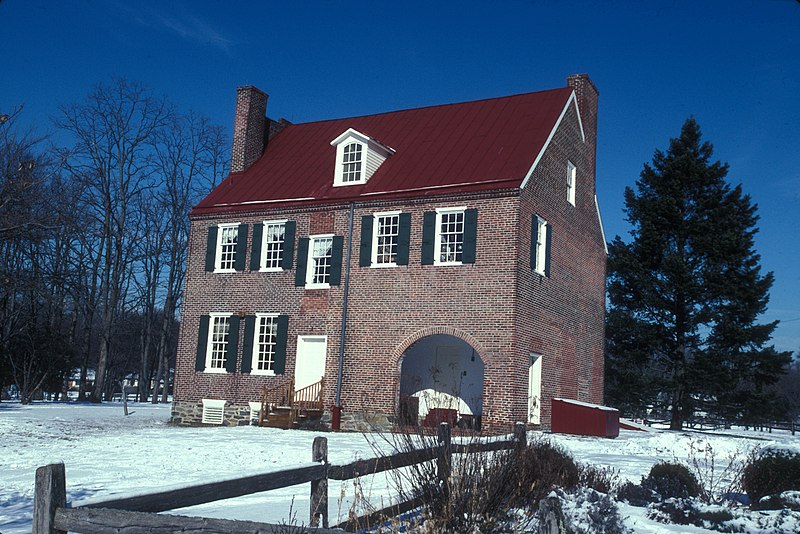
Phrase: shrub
[672,480]
[602,479]
[770,473]
[685,512]
[636,495]
[484,489]
[541,467]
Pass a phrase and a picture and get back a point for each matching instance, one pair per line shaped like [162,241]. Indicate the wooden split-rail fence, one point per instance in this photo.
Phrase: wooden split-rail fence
[139,514]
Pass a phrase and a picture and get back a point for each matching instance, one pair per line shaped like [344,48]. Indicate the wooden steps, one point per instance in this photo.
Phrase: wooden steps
[283,407]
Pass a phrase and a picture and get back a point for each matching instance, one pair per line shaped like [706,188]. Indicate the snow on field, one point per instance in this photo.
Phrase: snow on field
[106,453]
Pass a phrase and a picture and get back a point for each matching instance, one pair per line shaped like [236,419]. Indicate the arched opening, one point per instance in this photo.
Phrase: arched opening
[441,379]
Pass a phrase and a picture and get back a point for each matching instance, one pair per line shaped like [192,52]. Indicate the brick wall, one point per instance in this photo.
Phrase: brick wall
[562,316]
[389,308]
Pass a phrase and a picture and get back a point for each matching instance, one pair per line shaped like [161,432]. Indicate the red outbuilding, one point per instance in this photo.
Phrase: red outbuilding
[575,417]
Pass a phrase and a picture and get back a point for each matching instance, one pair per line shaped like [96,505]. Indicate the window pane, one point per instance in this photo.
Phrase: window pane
[451,237]
[321,260]
[219,342]
[351,163]
[386,239]
[227,246]
[274,237]
[267,335]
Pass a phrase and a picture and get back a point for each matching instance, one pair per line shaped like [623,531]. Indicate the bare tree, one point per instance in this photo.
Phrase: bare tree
[34,349]
[191,158]
[113,129]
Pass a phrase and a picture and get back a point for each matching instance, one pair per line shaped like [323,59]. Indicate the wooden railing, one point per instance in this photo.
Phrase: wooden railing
[280,395]
[307,398]
[138,514]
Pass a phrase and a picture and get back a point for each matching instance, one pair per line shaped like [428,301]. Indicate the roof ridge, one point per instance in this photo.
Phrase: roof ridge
[432,106]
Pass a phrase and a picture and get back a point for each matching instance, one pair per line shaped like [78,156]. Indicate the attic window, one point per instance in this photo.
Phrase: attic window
[358,156]
[351,163]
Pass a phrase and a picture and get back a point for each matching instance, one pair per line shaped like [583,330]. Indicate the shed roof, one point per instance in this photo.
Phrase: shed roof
[453,148]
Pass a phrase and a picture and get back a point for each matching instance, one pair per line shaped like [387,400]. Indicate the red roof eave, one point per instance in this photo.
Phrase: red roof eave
[365,198]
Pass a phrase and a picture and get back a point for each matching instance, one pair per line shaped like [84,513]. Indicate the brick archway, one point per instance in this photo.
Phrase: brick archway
[433,380]
[433,330]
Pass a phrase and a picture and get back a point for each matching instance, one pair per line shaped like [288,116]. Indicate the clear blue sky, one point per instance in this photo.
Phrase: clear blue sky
[733,65]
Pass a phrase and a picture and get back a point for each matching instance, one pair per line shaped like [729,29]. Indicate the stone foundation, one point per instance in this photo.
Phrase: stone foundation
[366,422]
[191,414]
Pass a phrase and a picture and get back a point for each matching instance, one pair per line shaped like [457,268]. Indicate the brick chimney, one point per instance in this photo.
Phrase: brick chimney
[249,127]
[587,96]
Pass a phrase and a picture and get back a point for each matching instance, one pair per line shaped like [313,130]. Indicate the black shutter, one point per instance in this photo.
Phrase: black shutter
[336,260]
[280,344]
[255,253]
[233,344]
[428,237]
[202,340]
[302,261]
[288,245]
[403,239]
[241,247]
[365,254]
[470,235]
[211,248]
[247,343]
[534,239]
[547,248]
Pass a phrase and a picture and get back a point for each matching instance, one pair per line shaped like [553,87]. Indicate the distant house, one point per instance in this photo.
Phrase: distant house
[445,262]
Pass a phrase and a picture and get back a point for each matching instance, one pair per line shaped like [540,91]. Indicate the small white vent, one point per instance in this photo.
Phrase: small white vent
[255,410]
[213,411]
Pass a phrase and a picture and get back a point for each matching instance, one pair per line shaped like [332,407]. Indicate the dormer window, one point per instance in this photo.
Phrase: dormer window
[351,163]
[358,156]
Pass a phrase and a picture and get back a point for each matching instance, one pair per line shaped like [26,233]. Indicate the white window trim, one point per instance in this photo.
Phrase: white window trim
[374,253]
[209,345]
[572,182]
[541,246]
[437,245]
[263,259]
[254,358]
[310,261]
[218,248]
[350,137]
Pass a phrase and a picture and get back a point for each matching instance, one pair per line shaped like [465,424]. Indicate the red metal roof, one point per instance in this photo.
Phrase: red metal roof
[454,148]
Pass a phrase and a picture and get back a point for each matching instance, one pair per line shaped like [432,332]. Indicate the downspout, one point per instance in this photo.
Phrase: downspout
[337,408]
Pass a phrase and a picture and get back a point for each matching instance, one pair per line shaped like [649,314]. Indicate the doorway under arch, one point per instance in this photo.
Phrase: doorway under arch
[441,379]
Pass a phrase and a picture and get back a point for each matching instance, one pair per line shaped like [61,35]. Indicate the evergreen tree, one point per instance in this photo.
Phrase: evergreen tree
[686,292]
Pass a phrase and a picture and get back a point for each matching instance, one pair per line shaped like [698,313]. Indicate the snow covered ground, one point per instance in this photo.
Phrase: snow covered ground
[106,453]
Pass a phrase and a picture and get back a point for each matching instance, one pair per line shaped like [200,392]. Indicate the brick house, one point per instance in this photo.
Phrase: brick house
[445,260]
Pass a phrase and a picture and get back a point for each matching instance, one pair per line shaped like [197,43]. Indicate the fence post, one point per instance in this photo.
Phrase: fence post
[50,493]
[520,437]
[319,487]
[444,458]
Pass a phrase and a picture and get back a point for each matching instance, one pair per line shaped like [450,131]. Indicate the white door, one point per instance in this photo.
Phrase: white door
[310,366]
[535,389]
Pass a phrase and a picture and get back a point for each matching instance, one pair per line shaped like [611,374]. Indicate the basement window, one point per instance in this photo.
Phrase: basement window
[213,411]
